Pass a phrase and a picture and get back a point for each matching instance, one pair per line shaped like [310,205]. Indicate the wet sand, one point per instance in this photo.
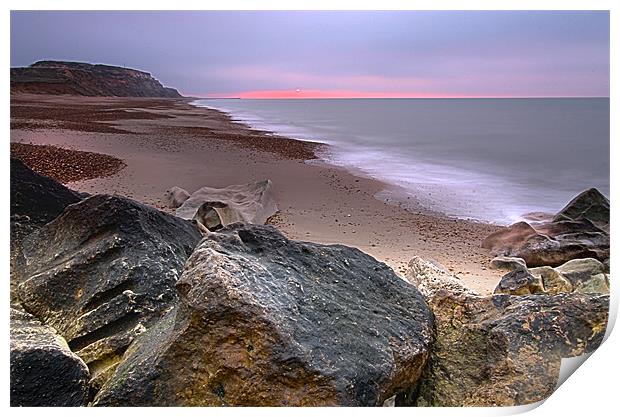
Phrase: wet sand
[167,142]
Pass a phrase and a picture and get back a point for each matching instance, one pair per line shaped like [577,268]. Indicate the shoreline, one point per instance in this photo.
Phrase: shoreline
[316,147]
[478,167]
[168,142]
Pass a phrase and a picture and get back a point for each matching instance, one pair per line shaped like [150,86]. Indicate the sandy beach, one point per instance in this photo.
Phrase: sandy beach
[168,142]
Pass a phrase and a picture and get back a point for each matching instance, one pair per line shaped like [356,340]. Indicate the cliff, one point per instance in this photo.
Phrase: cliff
[83,79]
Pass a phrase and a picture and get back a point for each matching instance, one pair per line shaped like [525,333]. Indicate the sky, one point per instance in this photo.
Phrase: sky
[271,54]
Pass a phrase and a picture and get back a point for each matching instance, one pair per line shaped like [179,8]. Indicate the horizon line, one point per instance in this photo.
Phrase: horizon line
[298,93]
[227,97]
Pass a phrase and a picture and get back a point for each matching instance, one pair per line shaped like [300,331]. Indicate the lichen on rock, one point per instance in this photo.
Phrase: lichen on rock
[267,321]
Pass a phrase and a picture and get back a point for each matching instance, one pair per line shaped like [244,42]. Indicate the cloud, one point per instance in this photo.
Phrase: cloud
[478,53]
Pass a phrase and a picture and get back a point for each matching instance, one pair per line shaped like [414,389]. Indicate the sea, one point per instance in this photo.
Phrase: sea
[492,160]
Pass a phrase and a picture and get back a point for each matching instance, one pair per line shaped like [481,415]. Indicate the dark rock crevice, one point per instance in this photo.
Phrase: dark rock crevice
[104,271]
[121,325]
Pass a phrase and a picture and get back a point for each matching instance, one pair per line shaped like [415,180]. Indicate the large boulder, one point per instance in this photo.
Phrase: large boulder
[579,230]
[215,208]
[35,200]
[591,206]
[44,372]
[267,321]
[505,350]
[102,272]
[38,197]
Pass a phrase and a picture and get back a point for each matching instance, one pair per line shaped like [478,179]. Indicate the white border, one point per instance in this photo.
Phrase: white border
[591,391]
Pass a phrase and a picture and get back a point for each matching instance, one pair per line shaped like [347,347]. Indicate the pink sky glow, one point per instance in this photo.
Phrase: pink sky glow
[290,94]
[318,94]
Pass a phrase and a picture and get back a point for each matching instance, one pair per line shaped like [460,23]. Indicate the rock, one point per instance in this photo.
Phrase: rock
[266,321]
[597,284]
[590,206]
[39,198]
[218,207]
[579,230]
[175,197]
[505,350]
[578,271]
[35,200]
[507,262]
[538,216]
[102,272]
[519,282]
[21,226]
[430,277]
[214,215]
[44,372]
[503,240]
[553,281]
[580,275]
